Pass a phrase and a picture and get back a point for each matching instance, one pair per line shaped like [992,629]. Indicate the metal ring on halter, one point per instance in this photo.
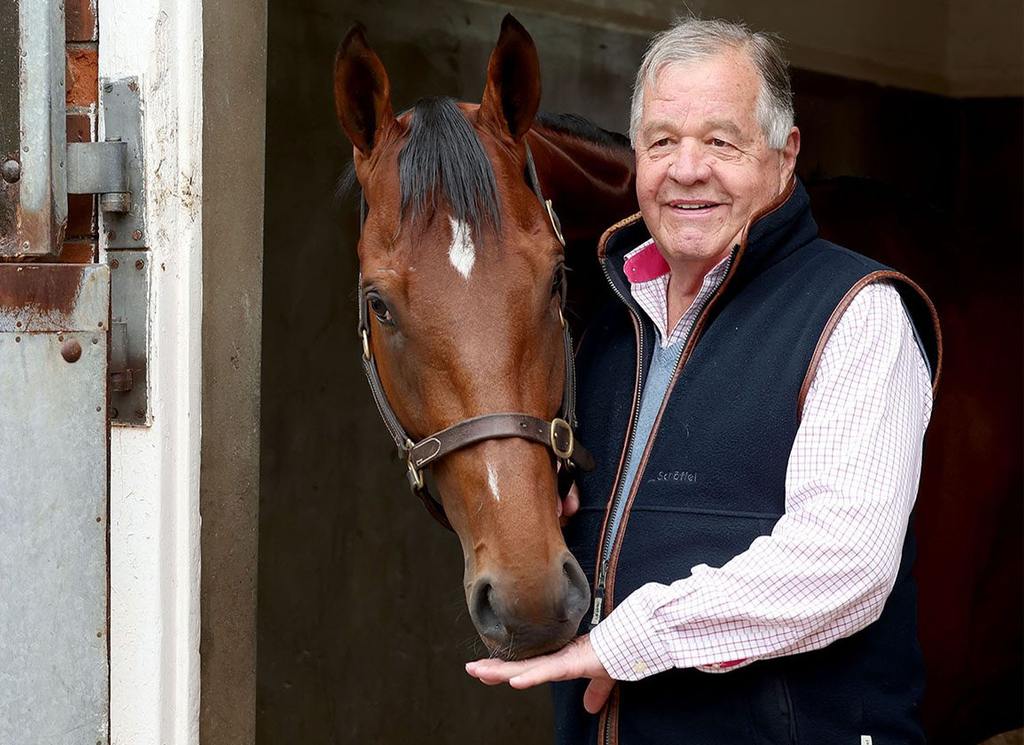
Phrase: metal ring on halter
[556,424]
[366,344]
[561,317]
[415,477]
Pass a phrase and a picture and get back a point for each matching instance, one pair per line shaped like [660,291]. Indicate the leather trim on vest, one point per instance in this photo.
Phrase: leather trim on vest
[602,244]
[833,320]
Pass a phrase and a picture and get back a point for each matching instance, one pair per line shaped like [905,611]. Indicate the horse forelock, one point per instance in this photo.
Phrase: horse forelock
[443,159]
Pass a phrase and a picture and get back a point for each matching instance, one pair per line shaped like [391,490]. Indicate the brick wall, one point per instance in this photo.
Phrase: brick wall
[81,95]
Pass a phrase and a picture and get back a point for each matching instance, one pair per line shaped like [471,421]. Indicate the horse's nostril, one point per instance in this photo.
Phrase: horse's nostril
[482,609]
[577,597]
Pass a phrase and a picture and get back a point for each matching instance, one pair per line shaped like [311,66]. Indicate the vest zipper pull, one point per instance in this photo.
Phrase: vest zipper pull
[599,593]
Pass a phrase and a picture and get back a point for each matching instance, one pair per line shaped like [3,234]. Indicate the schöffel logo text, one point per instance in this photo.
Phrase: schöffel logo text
[687,477]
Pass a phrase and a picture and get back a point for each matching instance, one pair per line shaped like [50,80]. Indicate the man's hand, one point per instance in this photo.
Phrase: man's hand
[569,506]
[575,660]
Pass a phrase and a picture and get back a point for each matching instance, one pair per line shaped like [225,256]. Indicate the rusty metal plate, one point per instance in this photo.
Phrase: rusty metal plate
[33,197]
[129,341]
[53,297]
[54,668]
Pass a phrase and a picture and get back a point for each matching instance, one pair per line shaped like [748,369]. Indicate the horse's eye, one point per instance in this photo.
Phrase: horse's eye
[381,310]
[558,281]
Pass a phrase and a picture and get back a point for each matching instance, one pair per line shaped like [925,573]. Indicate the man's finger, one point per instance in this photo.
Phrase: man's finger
[498,671]
[554,668]
[572,501]
[597,694]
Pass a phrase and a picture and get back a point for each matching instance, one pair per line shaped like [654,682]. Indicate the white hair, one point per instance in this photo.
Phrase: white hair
[692,39]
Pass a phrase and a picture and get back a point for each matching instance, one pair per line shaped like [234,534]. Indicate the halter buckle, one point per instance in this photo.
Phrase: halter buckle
[561,427]
[415,477]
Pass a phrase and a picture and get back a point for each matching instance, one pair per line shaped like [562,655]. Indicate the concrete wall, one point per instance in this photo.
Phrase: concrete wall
[234,96]
[950,47]
[362,624]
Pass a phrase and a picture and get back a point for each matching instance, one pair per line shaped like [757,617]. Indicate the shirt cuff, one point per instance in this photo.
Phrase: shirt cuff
[626,642]
[629,647]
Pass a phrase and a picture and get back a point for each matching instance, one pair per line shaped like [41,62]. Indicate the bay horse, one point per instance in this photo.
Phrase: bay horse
[462,275]
[462,295]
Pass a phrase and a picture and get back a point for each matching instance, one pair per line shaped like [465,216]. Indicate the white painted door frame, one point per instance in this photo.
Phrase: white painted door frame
[154,472]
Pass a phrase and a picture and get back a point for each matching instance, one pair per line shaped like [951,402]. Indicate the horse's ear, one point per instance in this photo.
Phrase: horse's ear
[362,92]
[512,93]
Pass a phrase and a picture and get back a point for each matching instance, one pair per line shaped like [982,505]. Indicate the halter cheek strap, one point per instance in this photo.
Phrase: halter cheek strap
[556,434]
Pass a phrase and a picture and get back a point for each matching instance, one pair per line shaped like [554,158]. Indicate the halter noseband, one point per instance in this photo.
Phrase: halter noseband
[556,434]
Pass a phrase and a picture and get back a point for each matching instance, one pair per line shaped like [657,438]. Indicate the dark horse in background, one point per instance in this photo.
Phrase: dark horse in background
[463,271]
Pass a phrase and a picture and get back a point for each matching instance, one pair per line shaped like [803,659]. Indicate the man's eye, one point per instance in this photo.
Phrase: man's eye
[663,142]
[381,310]
[715,142]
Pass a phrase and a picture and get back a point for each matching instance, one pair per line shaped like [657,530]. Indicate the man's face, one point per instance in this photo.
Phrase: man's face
[703,165]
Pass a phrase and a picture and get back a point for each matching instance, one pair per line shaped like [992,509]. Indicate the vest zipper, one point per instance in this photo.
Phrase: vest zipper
[611,536]
[606,543]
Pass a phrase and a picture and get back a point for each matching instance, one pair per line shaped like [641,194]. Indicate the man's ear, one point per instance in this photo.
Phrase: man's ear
[512,93]
[362,92]
[788,153]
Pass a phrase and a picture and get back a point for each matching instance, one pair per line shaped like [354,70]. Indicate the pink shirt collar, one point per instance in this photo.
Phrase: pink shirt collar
[645,263]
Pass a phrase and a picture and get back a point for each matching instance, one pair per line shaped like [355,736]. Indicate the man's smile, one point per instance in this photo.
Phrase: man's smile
[694,207]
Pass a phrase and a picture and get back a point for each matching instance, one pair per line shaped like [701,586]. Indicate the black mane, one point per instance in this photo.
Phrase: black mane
[444,158]
[577,126]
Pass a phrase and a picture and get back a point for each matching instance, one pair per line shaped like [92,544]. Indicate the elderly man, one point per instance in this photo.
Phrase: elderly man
[756,400]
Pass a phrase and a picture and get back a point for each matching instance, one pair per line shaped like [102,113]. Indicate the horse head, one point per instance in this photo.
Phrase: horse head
[462,284]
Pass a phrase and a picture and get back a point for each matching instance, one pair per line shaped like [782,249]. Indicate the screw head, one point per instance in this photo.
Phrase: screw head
[11,171]
[137,235]
[71,350]
[114,263]
[139,263]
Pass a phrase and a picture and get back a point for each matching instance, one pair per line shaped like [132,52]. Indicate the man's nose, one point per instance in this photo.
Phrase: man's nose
[689,163]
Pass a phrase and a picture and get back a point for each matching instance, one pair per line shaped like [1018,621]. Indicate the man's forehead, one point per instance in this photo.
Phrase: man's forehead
[720,90]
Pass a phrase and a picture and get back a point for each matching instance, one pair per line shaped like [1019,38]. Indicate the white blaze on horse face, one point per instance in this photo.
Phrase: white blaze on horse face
[462,252]
[492,482]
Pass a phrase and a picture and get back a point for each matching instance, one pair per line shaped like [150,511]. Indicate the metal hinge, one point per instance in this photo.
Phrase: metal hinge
[114,170]
[100,168]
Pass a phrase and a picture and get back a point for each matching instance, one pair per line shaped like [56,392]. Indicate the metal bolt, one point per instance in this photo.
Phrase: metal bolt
[59,338]
[95,340]
[99,634]
[100,324]
[17,338]
[139,263]
[71,350]
[99,519]
[108,88]
[25,246]
[114,263]
[18,324]
[140,414]
[11,171]
[137,235]
[111,235]
[113,412]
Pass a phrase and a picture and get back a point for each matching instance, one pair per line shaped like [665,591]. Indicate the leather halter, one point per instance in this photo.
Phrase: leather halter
[556,434]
